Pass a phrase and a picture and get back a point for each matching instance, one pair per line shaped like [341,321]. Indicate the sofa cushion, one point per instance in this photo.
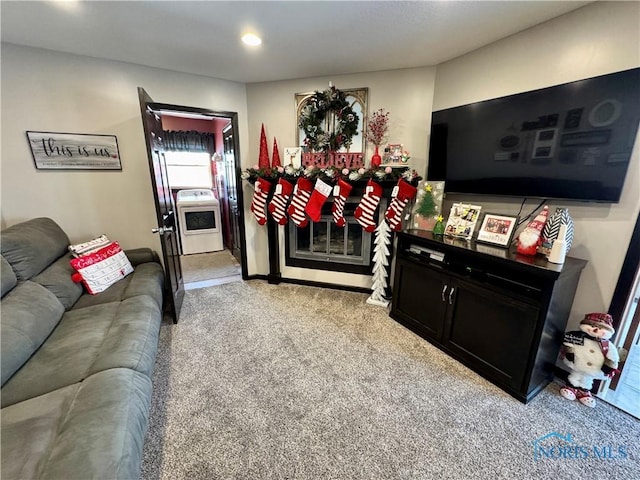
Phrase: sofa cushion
[146,279]
[29,313]
[9,279]
[89,340]
[80,249]
[32,245]
[141,255]
[102,268]
[93,429]
[57,279]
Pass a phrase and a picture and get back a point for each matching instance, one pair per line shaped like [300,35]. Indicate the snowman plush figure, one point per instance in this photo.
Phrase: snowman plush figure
[590,356]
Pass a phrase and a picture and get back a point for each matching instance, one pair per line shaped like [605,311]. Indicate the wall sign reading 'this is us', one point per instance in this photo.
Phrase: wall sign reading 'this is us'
[74,151]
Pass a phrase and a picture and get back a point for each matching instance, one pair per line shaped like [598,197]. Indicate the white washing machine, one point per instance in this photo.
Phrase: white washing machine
[199,221]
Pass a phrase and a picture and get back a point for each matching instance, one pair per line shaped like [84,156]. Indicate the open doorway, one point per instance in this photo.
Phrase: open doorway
[201,171]
[623,390]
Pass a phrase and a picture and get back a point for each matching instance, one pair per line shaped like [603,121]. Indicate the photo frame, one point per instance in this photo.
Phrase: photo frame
[393,154]
[497,229]
[462,220]
[293,156]
[428,205]
[74,151]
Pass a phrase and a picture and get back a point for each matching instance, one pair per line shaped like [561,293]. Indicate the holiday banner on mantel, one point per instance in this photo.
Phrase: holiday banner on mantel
[74,151]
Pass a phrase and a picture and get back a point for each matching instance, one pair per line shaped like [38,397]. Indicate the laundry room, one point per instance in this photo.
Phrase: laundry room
[198,165]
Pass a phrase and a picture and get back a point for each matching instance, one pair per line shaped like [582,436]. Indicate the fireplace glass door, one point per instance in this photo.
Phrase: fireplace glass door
[326,239]
[326,246]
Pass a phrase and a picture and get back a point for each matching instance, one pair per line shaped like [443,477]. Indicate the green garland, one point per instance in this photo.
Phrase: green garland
[251,175]
[343,121]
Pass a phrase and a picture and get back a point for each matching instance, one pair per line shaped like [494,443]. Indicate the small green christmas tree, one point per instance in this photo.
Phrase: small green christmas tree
[438,228]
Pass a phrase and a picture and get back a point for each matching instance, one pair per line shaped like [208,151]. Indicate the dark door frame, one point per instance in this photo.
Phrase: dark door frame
[627,276]
[623,291]
[233,212]
[165,208]
[233,117]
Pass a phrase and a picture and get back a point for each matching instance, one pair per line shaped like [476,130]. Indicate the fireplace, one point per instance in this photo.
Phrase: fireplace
[325,246]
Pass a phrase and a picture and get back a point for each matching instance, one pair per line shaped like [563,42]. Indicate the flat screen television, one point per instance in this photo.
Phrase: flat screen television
[571,141]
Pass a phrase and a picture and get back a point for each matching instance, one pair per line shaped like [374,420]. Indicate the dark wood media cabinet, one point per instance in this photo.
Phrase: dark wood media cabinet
[500,313]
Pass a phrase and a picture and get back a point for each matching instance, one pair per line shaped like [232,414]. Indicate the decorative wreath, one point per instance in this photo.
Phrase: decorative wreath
[332,109]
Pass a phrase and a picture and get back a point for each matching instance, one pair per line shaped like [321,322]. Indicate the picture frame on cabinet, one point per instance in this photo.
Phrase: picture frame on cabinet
[462,220]
[497,229]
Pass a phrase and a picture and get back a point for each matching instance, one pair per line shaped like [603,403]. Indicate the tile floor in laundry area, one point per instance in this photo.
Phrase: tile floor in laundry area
[207,269]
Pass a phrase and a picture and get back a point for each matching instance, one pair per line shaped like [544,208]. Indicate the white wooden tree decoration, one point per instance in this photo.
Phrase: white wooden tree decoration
[381,253]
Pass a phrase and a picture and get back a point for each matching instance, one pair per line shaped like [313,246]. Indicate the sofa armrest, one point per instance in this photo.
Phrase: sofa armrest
[141,255]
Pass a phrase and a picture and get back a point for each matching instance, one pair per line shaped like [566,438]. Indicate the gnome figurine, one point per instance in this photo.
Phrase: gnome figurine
[529,238]
[590,355]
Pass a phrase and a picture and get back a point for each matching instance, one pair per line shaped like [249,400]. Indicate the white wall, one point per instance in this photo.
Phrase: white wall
[44,90]
[50,91]
[595,40]
[406,94]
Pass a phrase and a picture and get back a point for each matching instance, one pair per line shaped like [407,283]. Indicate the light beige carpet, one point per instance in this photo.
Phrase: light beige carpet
[206,266]
[275,382]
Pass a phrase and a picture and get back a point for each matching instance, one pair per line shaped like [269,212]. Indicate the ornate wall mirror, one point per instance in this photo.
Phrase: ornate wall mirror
[357,99]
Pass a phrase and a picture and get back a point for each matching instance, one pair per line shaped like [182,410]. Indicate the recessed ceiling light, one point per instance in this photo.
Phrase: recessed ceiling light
[251,39]
[68,5]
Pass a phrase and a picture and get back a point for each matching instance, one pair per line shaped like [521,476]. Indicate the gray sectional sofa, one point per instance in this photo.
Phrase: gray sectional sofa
[76,368]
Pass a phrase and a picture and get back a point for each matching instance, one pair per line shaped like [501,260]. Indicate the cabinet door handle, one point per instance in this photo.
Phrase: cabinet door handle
[444,289]
[451,295]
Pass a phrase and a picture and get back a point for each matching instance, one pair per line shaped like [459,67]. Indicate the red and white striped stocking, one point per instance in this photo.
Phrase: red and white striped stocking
[259,200]
[344,189]
[279,201]
[367,207]
[301,195]
[405,192]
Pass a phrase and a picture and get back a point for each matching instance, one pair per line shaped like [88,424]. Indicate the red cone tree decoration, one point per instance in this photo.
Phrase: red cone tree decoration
[275,159]
[263,159]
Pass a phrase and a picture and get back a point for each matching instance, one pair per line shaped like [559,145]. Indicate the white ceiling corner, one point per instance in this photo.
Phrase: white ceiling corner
[300,38]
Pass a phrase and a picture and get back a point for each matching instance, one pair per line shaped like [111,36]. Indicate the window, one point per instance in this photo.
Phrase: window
[189,169]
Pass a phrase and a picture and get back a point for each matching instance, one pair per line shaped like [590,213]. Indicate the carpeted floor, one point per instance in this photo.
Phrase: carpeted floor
[262,381]
[206,266]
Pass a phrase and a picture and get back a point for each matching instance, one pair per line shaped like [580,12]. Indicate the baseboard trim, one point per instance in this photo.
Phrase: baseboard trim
[255,276]
[307,283]
[333,286]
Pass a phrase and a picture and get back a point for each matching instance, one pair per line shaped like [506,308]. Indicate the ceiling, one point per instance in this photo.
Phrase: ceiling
[300,38]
